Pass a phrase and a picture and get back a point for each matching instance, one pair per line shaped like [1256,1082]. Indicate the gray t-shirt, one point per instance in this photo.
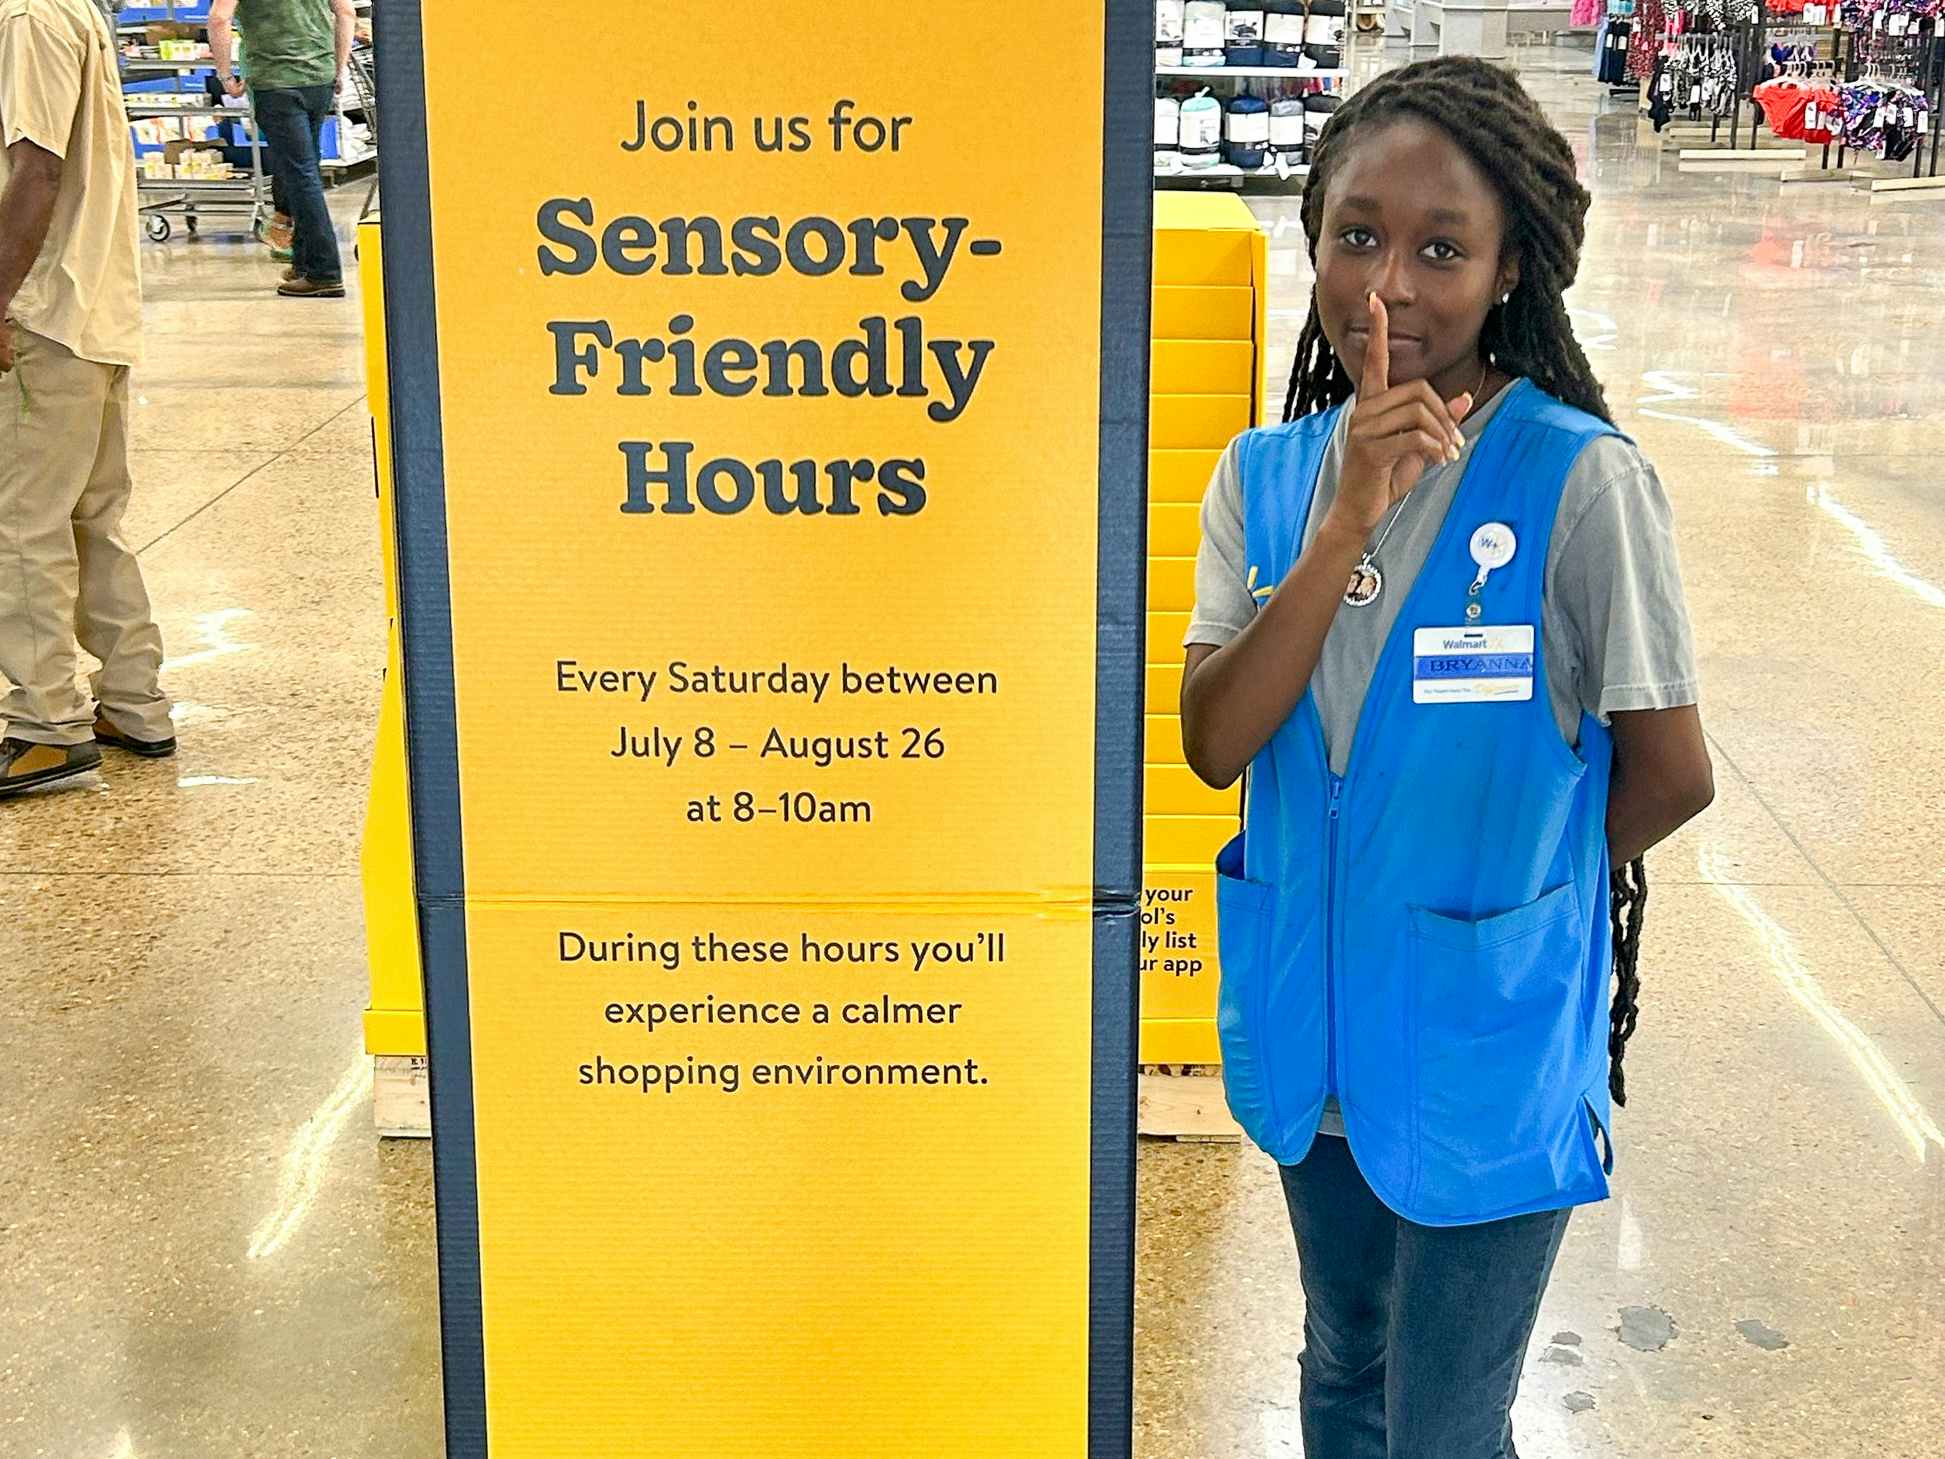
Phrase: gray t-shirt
[1615,633]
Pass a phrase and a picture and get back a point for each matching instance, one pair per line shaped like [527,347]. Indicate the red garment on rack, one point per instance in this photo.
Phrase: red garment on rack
[1784,107]
[1787,106]
[1650,25]
[1829,125]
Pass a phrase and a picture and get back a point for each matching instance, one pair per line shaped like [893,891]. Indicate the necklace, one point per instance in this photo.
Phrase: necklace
[1367,581]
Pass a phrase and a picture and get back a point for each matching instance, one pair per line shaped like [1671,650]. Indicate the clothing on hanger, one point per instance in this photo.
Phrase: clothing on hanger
[1611,50]
[1644,44]
[1885,116]
[1801,108]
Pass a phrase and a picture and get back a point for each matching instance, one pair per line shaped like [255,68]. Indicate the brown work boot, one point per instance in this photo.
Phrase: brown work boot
[107,734]
[24,764]
[312,289]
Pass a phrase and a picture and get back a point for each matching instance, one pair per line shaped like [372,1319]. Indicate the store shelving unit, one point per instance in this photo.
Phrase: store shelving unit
[1288,177]
[166,200]
[1225,178]
[1279,73]
[193,200]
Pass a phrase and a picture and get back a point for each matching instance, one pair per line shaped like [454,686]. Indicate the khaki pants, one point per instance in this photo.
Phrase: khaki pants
[65,572]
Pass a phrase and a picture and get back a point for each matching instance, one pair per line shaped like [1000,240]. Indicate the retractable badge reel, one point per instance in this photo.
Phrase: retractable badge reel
[1493,546]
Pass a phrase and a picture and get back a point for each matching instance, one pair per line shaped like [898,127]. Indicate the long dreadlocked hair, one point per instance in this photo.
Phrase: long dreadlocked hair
[1490,116]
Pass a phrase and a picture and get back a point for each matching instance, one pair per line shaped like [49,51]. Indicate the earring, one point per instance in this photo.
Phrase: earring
[1504,297]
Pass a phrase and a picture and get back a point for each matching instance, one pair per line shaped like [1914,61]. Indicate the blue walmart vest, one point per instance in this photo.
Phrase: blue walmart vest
[1427,936]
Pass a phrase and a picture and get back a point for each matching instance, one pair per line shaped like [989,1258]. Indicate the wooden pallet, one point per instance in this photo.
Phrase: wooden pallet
[1185,1102]
[401,1097]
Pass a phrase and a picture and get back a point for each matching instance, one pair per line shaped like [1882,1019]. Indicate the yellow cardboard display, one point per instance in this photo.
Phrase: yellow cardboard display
[1211,290]
[1193,421]
[1165,632]
[1218,311]
[1174,529]
[1164,739]
[774,757]
[395,1019]
[1163,686]
[1171,585]
[1181,476]
[1200,240]
[1176,790]
[1202,367]
[1178,945]
[1189,842]
[1182,1040]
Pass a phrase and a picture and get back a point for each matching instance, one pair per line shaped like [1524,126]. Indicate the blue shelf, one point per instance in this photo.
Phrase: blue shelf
[193,12]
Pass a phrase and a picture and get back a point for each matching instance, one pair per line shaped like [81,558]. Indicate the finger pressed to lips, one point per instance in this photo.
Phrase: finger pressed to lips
[1404,410]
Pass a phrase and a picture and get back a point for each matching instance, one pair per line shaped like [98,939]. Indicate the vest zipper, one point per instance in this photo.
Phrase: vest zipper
[1330,945]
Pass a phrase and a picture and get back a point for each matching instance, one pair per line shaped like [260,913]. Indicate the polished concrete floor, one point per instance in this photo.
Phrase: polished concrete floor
[204,1253]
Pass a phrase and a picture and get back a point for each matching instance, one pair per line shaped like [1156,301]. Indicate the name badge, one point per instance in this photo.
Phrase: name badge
[1472,665]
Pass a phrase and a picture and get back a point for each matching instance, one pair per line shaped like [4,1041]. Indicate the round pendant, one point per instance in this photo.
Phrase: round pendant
[1366,583]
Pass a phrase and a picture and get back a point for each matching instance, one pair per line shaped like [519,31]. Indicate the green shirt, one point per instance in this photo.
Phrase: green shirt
[288,43]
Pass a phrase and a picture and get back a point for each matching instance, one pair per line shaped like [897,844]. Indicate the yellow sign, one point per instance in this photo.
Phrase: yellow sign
[768,394]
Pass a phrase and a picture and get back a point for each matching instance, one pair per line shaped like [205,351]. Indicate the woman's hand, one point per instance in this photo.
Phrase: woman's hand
[1396,436]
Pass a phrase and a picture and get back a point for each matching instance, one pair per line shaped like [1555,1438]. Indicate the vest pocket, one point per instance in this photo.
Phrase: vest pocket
[1269,1007]
[1496,1009]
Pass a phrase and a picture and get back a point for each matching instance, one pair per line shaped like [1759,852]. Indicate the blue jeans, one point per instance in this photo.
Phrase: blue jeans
[291,121]
[1414,1336]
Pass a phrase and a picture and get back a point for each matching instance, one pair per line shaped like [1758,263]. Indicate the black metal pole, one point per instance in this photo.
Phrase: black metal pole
[1923,78]
[1935,63]
[1753,65]
[1843,123]
[1837,44]
[1741,84]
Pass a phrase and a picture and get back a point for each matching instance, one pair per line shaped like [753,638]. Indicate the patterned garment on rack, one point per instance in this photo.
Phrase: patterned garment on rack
[1587,12]
[1885,118]
[1698,77]
[1722,14]
[1720,82]
[1862,15]
[1650,21]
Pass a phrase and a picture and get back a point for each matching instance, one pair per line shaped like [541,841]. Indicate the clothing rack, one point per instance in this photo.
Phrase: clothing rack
[1770,30]
[1696,49]
[1921,57]
[1915,60]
